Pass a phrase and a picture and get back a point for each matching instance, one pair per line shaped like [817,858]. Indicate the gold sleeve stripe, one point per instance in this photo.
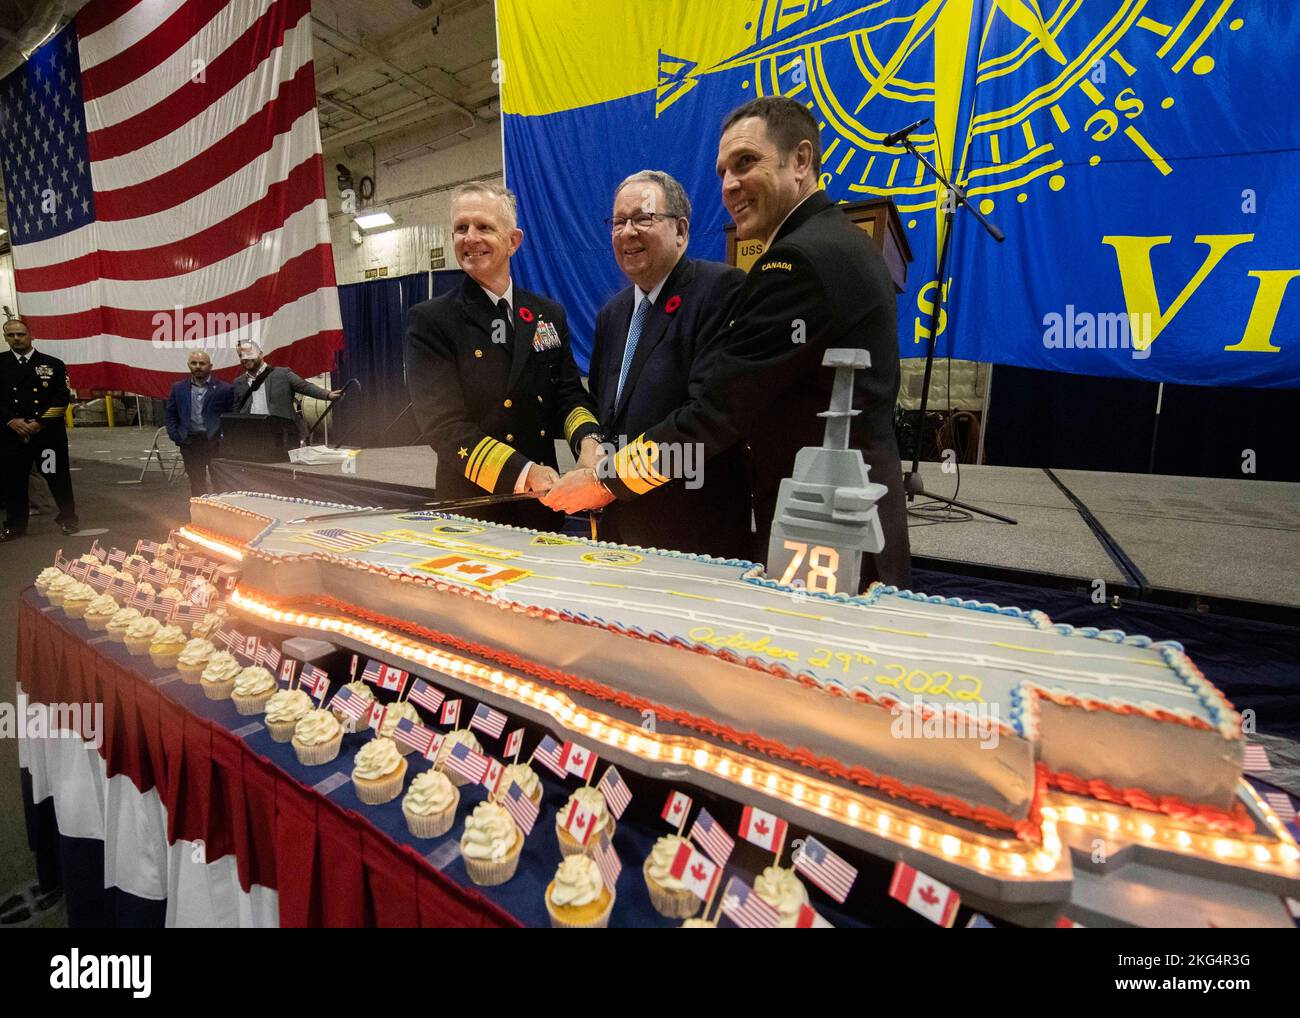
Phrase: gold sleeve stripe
[55,411]
[635,466]
[576,419]
[492,464]
[476,457]
[484,465]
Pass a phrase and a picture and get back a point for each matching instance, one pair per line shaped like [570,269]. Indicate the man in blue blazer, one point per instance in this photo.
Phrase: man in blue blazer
[651,344]
[194,410]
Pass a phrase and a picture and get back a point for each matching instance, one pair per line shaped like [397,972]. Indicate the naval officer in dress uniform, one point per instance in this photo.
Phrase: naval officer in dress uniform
[818,285]
[492,379]
[33,400]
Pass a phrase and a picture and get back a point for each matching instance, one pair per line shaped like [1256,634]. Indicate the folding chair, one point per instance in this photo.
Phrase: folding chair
[168,464]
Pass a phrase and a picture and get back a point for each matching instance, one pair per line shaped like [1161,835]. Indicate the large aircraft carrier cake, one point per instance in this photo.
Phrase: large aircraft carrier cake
[980,740]
[831,685]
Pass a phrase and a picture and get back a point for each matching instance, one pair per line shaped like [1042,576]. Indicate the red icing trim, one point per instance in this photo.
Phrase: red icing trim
[1236,820]
[1084,703]
[1026,830]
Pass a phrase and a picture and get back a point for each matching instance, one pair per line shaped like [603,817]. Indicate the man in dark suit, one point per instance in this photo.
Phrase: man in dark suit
[491,375]
[194,409]
[818,285]
[33,400]
[263,389]
[652,339]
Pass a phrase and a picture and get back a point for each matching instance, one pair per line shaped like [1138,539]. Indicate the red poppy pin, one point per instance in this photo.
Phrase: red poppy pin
[672,304]
[525,314]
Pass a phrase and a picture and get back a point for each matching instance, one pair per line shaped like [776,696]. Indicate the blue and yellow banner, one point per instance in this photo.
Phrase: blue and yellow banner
[1140,156]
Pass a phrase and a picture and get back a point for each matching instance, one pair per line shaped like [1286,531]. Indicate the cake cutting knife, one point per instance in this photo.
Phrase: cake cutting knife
[446,506]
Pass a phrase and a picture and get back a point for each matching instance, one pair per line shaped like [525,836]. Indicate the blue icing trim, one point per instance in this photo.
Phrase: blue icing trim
[1040,619]
[1201,688]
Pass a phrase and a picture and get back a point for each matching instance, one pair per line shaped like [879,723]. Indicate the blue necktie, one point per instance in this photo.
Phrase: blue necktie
[629,351]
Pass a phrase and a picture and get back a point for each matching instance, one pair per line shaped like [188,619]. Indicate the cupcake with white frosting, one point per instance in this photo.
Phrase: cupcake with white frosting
[209,625]
[577,899]
[378,772]
[430,804]
[669,896]
[47,576]
[591,799]
[317,737]
[459,735]
[167,645]
[393,714]
[194,658]
[525,777]
[218,678]
[491,845]
[100,611]
[77,599]
[284,710]
[121,622]
[359,689]
[58,587]
[780,888]
[140,634]
[254,686]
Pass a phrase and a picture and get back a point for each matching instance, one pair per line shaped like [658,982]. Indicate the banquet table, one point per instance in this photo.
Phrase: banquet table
[186,813]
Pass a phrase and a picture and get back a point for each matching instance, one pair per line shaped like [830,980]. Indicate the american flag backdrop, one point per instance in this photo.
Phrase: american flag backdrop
[162,163]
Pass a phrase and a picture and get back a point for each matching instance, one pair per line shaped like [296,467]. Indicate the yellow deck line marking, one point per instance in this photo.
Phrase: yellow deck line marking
[900,632]
[693,597]
[798,615]
[1027,650]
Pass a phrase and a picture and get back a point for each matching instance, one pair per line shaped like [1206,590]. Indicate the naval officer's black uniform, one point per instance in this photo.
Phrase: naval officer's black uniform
[493,389]
[820,285]
[34,386]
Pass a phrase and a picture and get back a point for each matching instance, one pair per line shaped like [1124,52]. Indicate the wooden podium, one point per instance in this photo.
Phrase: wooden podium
[877,217]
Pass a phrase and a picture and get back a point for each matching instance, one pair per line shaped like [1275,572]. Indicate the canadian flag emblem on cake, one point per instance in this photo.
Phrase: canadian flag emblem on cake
[480,574]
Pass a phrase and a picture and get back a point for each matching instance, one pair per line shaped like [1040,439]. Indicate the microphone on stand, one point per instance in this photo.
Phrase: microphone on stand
[329,409]
[897,136]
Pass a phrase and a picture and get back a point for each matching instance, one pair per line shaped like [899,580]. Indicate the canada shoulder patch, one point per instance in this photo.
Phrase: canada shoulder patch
[783,266]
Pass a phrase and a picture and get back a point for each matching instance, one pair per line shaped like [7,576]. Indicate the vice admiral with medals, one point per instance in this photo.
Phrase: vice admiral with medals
[492,379]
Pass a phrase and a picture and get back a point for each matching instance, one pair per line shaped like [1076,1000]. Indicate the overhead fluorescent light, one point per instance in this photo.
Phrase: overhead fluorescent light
[374,220]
